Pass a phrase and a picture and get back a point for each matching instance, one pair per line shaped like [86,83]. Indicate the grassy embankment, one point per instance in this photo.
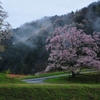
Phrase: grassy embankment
[50,74]
[41,75]
[83,87]
[84,78]
[50,92]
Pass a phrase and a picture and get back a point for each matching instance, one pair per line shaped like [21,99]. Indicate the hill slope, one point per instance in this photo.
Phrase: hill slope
[25,52]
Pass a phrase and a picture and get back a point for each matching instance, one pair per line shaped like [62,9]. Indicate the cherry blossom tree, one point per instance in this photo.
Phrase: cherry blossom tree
[72,49]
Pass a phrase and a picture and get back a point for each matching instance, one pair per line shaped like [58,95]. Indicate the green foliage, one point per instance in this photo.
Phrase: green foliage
[7,71]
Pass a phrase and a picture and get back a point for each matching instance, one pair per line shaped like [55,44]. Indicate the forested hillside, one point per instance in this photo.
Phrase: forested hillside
[25,52]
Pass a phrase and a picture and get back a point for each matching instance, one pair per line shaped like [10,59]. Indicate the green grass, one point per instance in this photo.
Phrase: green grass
[62,89]
[50,92]
[89,78]
[52,74]
[43,75]
[4,79]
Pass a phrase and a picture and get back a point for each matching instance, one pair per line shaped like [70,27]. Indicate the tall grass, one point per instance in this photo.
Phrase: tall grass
[50,92]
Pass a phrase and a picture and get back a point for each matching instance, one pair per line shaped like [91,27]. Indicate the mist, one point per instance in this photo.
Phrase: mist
[29,32]
[26,49]
[93,15]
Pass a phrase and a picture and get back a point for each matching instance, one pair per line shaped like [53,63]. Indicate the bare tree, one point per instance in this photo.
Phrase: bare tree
[5,28]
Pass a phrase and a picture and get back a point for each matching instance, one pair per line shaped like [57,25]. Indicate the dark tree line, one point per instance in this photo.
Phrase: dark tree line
[25,51]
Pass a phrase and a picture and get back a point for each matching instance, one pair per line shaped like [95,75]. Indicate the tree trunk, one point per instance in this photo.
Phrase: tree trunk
[73,74]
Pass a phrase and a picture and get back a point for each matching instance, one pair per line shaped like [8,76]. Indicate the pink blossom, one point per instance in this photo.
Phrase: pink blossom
[74,48]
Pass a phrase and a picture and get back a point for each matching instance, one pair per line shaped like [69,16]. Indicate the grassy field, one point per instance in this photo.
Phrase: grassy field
[4,79]
[87,78]
[83,87]
[41,75]
[49,74]
[50,92]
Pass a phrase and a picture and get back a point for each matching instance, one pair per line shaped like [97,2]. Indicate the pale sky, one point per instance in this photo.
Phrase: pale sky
[22,11]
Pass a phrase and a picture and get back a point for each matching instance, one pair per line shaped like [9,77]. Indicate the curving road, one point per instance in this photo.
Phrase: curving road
[41,80]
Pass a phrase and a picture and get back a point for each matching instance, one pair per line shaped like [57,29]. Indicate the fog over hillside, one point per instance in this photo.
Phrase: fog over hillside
[25,51]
